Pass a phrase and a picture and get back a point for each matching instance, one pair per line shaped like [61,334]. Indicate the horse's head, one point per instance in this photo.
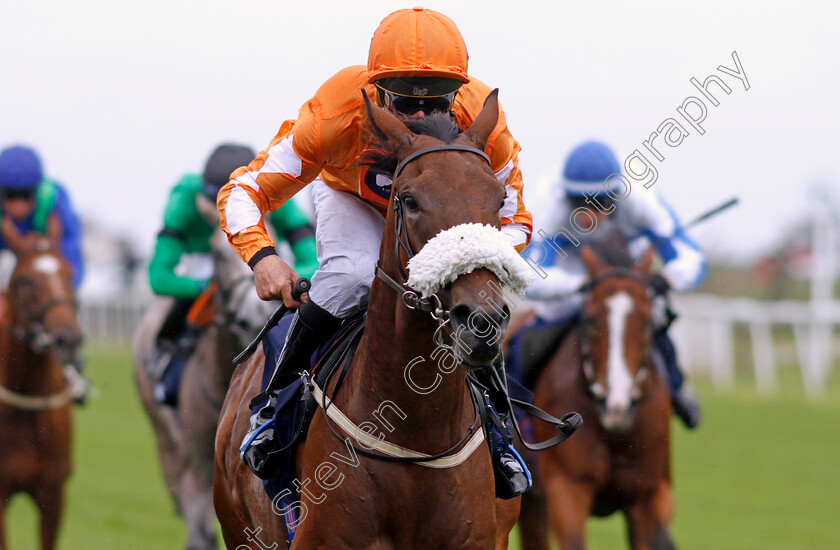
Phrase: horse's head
[241,309]
[444,225]
[41,300]
[616,335]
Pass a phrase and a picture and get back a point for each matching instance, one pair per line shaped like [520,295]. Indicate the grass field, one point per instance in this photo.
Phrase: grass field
[760,473]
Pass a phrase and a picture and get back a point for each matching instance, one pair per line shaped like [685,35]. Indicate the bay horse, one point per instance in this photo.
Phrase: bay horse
[39,338]
[442,188]
[619,460]
[185,435]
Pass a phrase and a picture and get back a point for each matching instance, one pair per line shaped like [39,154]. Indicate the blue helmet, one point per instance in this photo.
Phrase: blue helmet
[20,168]
[588,166]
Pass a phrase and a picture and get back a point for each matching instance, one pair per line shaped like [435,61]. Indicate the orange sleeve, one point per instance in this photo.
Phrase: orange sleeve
[272,178]
[323,140]
[503,150]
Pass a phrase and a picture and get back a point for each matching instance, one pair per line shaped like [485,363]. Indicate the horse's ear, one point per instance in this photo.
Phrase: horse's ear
[390,132]
[590,260]
[645,263]
[207,208]
[484,124]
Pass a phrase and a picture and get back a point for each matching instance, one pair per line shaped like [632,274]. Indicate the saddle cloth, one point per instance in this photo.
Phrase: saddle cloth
[294,410]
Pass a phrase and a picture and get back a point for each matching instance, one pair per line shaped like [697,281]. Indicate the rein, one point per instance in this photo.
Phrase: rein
[74,389]
[432,305]
[596,388]
[232,298]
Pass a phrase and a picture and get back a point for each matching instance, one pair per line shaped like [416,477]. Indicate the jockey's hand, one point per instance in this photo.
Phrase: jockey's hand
[274,279]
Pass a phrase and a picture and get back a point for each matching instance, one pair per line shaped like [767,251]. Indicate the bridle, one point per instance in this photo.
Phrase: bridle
[432,305]
[596,388]
[39,340]
[402,243]
[413,301]
[33,330]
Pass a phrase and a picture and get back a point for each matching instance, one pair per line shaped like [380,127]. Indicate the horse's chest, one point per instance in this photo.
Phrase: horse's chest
[424,509]
[29,451]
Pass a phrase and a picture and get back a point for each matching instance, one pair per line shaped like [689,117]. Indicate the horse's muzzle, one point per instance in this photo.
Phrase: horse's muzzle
[477,332]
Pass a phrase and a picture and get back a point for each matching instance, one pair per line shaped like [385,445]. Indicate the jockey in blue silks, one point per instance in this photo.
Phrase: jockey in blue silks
[31,202]
[645,220]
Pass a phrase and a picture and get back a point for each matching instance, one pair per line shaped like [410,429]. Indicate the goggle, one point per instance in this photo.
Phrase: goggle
[22,194]
[408,105]
[211,190]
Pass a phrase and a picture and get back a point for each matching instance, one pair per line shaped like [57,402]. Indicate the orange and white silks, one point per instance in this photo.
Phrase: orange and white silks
[327,140]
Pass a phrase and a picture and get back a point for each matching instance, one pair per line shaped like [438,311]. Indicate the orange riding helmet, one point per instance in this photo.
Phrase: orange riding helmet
[418,53]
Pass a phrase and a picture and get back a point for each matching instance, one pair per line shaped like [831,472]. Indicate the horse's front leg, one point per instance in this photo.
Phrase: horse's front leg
[568,503]
[50,501]
[533,519]
[648,519]
[507,512]
[5,495]
[196,502]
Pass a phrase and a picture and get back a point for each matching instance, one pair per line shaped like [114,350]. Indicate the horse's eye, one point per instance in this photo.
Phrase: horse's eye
[502,205]
[410,203]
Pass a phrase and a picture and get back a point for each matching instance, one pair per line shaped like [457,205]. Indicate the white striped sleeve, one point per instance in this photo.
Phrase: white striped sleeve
[241,212]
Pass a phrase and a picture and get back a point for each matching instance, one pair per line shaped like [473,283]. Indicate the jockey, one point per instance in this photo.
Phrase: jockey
[417,65]
[646,220]
[182,267]
[31,203]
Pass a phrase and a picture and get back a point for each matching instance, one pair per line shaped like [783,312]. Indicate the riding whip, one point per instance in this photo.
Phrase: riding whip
[302,285]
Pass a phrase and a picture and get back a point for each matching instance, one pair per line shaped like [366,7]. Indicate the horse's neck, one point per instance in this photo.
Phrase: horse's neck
[24,371]
[396,339]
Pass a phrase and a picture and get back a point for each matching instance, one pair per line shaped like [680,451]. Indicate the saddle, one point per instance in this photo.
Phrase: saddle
[175,342]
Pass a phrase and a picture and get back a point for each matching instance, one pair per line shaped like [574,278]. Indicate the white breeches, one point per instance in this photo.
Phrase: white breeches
[348,233]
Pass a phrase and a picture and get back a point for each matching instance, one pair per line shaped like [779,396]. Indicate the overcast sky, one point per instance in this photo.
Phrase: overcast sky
[121,98]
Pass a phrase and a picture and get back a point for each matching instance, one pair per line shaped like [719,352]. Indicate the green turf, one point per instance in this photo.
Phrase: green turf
[760,473]
[116,496]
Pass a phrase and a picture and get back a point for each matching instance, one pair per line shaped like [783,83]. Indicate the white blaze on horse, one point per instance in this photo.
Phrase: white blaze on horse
[620,459]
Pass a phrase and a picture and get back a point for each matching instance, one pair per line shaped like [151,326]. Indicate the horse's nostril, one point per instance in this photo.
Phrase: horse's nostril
[478,321]
[459,315]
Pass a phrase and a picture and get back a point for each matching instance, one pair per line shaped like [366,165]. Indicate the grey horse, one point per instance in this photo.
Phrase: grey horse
[185,436]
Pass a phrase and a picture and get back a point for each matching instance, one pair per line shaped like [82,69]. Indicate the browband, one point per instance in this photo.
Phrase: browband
[441,147]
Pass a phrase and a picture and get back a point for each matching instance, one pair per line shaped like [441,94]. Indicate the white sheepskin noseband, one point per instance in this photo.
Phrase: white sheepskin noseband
[463,248]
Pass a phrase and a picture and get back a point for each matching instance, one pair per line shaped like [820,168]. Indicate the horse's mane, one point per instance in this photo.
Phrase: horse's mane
[437,125]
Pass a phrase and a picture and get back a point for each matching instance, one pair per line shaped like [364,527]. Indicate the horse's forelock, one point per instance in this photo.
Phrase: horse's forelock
[437,125]
[440,126]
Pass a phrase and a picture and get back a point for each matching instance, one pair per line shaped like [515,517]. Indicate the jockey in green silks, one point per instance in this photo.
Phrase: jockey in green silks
[182,266]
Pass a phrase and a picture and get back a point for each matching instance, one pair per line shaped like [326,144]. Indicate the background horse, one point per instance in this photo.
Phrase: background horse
[39,337]
[620,457]
[357,501]
[185,435]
